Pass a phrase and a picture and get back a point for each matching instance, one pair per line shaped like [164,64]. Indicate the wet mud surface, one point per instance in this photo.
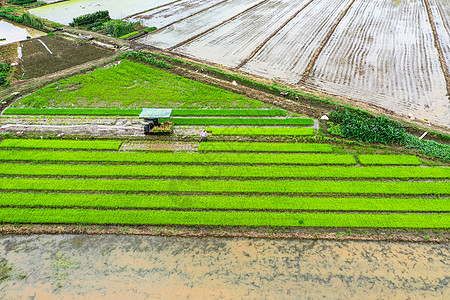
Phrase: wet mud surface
[145,267]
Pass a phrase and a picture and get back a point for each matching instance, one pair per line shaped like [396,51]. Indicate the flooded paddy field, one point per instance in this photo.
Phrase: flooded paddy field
[64,12]
[389,48]
[14,32]
[441,14]
[179,32]
[141,267]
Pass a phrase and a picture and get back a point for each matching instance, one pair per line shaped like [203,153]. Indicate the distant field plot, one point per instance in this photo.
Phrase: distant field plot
[288,53]
[260,131]
[263,147]
[64,12]
[224,45]
[60,144]
[441,14]
[383,53]
[244,121]
[188,28]
[167,14]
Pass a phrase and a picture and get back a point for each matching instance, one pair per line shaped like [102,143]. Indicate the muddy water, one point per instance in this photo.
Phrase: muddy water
[441,14]
[144,267]
[14,32]
[64,12]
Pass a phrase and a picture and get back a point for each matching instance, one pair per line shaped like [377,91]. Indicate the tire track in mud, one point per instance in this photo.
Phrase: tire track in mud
[191,15]
[153,8]
[257,49]
[438,46]
[214,27]
[324,42]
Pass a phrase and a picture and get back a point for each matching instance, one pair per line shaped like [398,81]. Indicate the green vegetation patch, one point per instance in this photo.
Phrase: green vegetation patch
[315,187]
[133,85]
[222,171]
[136,112]
[215,202]
[263,147]
[60,144]
[389,160]
[227,218]
[193,158]
[261,131]
[240,121]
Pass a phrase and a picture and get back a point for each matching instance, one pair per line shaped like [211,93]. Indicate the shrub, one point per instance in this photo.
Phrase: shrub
[99,16]
[5,69]
[18,19]
[21,2]
[138,55]
[119,28]
[32,21]
[427,147]
[368,129]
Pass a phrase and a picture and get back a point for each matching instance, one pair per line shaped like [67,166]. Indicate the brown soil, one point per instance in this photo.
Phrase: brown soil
[341,234]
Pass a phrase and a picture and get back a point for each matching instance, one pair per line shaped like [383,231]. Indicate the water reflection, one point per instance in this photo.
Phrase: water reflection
[14,32]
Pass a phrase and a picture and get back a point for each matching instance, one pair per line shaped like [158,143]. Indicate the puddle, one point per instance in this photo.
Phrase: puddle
[14,32]
[140,267]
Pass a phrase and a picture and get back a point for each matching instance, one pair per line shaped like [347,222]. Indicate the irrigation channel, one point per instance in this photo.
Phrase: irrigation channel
[146,267]
[393,54]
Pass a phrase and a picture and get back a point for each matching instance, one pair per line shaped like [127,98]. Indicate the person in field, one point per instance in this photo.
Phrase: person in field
[203,136]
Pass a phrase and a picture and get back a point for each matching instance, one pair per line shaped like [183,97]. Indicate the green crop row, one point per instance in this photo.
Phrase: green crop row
[228,218]
[240,121]
[389,160]
[136,112]
[229,186]
[264,147]
[139,201]
[221,171]
[169,157]
[261,131]
[60,144]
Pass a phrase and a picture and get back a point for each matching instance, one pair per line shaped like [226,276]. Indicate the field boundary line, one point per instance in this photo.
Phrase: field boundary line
[242,63]
[437,45]
[214,27]
[325,41]
[147,10]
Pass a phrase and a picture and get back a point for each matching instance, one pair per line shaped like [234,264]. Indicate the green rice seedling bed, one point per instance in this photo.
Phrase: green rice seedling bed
[229,186]
[136,112]
[263,147]
[133,201]
[222,171]
[221,218]
[169,157]
[261,131]
[389,159]
[61,144]
[240,121]
[130,85]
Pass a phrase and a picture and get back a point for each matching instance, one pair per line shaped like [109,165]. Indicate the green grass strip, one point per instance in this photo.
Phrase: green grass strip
[389,159]
[222,171]
[61,144]
[213,218]
[261,131]
[264,147]
[240,121]
[229,186]
[169,157]
[136,112]
[133,201]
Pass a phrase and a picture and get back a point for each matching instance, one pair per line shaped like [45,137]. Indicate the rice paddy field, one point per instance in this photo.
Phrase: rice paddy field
[393,54]
[223,184]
